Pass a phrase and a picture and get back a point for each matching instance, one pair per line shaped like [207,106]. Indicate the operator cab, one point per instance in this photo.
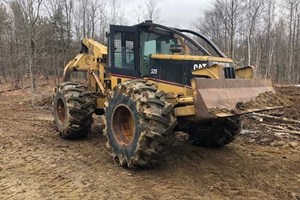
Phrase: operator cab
[161,53]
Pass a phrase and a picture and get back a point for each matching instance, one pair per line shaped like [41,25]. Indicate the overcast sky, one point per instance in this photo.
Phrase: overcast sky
[178,13]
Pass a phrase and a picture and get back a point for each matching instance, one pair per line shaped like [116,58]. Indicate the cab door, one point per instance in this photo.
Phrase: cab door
[123,53]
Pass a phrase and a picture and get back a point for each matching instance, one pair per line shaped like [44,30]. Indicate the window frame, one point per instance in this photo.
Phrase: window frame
[115,29]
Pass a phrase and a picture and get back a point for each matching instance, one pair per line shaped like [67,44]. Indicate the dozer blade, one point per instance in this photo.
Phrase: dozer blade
[226,97]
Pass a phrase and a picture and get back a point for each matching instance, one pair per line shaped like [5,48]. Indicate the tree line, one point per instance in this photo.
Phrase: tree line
[39,37]
[261,33]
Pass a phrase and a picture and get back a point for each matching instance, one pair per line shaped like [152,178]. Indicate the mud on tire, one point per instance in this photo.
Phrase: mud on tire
[139,124]
[216,133]
[72,110]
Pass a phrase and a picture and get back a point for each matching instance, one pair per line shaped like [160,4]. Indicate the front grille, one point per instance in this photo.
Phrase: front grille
[229,72]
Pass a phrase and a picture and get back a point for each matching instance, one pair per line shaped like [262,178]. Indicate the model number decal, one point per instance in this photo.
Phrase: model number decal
[153,71]
[199,66]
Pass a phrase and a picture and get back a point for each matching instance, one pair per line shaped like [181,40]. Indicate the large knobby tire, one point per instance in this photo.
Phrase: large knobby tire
[139,124]
[73,108]
[216,133]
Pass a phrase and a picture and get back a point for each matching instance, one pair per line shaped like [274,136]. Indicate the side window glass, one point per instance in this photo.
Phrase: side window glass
[152,43]
[118,50]
[124,50]
[150,47]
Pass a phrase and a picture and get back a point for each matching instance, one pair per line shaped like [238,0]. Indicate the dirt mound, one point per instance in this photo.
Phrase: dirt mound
[274,129]
[293,94]
[263,101]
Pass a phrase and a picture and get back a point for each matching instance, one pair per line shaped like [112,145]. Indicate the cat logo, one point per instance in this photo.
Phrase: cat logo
[199,66]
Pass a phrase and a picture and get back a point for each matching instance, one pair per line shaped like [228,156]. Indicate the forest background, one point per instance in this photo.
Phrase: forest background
[39,37]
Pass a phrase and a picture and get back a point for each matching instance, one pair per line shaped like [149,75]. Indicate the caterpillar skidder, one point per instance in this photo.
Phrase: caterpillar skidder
[152,80]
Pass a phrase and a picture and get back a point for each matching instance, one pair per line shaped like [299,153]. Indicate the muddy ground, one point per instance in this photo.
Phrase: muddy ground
[35,163]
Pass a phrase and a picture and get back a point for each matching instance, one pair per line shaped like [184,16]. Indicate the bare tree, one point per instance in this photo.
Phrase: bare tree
[31,12]
[138,13]
[152,12]
[293,11]
[254,11]
[117,13]
[68,7]
[230,11]
[269,44]
[103,23]
[4,25]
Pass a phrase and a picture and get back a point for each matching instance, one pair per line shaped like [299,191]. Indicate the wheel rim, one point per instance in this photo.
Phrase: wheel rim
[61,113]
[123,125]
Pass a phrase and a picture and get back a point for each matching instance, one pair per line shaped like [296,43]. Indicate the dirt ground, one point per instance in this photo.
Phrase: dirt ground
[36,163]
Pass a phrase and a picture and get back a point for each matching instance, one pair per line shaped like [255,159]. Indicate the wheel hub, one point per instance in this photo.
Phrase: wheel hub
[123,125]
[61,113]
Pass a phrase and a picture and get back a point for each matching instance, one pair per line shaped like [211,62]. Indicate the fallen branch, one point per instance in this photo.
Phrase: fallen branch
[294,132]
[274,127]
[277,112]
[289,132]
[283,129]
[284,119]
[292,128]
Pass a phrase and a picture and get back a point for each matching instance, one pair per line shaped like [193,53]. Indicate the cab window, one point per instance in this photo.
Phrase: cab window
[152,43]
[124,50]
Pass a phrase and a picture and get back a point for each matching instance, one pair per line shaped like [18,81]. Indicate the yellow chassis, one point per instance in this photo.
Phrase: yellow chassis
[94,63]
